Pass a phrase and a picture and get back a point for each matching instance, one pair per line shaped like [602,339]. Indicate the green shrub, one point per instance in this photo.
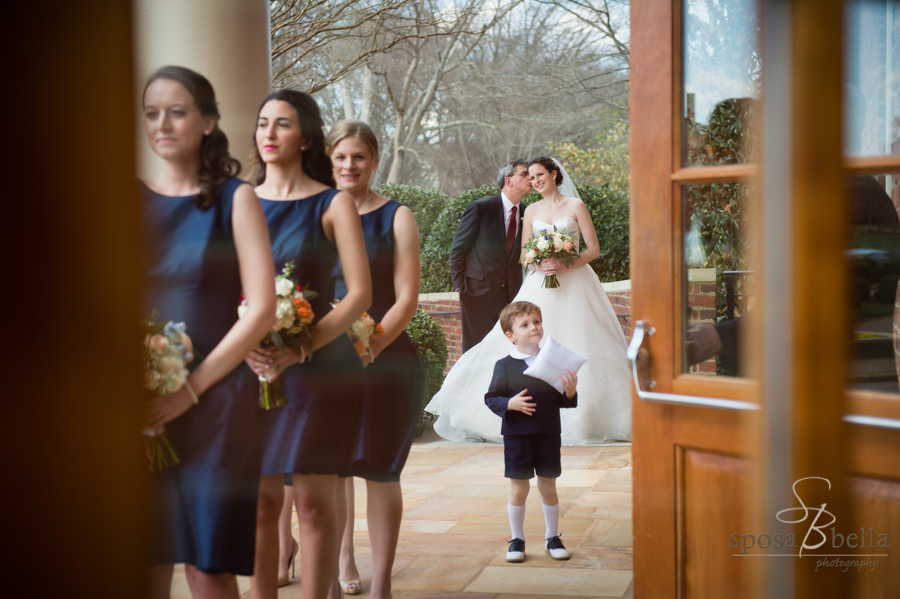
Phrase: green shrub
[431,347]
[426,204]
[609,212]
[607,206]
[436,249]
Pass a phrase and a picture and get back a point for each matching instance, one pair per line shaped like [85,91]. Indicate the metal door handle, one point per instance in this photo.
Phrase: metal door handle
[640,355]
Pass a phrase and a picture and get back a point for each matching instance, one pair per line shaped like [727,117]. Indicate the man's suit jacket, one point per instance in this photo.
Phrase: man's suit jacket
[487,276]
[510,380]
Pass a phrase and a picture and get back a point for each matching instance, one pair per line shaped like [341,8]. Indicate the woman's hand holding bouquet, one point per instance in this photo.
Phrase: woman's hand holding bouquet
[288,342]
[166,354]
[555,245]
[362,333]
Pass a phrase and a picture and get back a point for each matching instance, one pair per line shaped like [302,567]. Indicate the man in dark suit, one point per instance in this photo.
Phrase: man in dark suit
[484,258]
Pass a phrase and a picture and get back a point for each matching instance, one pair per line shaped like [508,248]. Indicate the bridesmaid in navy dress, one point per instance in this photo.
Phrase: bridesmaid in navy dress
[394,376]
[205,241]
[312,437]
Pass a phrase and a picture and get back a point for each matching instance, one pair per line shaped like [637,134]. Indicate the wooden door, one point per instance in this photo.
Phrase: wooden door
[716,455]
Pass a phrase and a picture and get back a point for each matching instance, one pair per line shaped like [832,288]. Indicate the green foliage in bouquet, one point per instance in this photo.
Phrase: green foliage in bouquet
[425,203]
[431,347]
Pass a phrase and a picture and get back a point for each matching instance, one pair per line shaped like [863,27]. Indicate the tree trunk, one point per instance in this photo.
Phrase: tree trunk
[347,96]
[368,94]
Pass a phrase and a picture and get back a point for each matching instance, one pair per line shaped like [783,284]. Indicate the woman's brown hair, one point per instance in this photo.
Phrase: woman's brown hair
[216,164]
[316,162]
[548,164]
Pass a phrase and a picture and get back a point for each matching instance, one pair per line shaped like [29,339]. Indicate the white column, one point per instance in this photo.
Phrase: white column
[227,41]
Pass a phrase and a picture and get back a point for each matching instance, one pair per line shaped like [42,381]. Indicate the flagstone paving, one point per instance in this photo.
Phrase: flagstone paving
[454,532]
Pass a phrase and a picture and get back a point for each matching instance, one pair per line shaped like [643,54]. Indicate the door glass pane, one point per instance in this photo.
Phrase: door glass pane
[722,81]
[872,78]
[718,277]
[874,259]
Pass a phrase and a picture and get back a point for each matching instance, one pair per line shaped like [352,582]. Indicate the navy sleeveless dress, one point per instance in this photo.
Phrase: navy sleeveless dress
[395,381]
[313,433]
[203,509]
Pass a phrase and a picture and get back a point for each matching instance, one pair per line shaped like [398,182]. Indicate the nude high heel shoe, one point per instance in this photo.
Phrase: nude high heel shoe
[351,587]
[285,579]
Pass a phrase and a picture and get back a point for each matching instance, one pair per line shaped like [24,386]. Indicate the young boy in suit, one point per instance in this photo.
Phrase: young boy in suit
[529,408]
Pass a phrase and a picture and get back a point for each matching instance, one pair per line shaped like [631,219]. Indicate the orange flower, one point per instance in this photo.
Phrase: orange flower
[379,330]
[359,347]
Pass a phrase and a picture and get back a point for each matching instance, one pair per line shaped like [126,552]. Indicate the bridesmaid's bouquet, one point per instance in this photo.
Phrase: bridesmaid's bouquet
[294,316]
[363,332]
[166,354]
[556,244]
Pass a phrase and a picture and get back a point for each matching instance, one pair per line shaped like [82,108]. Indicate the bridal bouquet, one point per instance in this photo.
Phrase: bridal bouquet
[363,332]
[555,244]
[166,354]
[294,319]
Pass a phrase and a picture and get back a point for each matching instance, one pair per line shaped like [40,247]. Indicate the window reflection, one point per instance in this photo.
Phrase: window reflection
[718,276]
[872,78]
[722,81]
[874,259]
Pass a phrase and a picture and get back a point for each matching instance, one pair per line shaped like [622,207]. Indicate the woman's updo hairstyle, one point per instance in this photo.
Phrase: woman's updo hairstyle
[548,164]
[316,162]
[216,164]
[351,128]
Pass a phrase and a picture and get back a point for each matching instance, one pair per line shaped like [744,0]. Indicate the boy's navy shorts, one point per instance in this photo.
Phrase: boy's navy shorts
[526,455]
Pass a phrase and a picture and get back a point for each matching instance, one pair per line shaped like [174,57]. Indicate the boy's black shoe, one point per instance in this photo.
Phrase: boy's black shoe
[555,548]
[516,552]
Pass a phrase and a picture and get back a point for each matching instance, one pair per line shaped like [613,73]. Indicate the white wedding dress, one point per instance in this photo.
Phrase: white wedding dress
[578,315]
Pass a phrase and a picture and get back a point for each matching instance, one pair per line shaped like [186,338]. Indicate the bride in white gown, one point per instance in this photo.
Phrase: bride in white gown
[577,314]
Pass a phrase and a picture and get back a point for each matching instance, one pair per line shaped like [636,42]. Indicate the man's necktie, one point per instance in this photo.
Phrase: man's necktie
[511,231]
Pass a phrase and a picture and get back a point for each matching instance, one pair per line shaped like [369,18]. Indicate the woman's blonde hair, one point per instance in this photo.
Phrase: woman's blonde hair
[351,128]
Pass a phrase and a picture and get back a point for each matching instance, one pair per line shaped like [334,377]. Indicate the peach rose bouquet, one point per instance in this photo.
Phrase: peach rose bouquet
[363,332]
[166,353]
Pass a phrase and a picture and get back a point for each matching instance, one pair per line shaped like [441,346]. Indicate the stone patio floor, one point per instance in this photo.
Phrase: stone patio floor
[455,528]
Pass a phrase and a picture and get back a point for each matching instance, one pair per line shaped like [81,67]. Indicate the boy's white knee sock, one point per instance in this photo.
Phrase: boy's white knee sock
[516,520]
[551,520]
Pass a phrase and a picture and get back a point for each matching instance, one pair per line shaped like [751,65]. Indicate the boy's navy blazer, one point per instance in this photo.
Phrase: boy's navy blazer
[509,380]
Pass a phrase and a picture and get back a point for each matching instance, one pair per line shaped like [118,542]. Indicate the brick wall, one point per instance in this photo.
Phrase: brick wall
[444,309]
[701,304]
[619,294]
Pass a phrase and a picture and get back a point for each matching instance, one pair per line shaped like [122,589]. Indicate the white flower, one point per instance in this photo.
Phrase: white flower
[151,380]
[284,287]
[178,378]
[530,255]
[284,314]
[242,310]
[543,244]
[169,365]
[557,239]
